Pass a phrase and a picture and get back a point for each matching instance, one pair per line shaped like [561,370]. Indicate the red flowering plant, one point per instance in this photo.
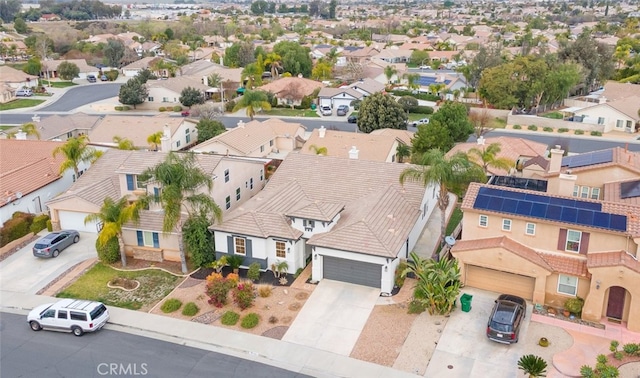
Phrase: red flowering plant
[243,294]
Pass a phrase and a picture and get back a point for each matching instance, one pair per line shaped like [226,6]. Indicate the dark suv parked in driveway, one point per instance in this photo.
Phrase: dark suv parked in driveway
[506,318]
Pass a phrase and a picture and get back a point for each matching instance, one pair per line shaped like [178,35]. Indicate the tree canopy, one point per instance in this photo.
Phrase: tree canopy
[295,58]
[68,70]
[381,111]
[133,92]
[209,128]
[191,96]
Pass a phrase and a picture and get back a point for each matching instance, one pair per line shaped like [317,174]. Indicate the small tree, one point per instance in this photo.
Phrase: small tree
[198,240]
[487,156]
[408,102]
[191,96]
[252,101]
[155,139]
[33,66]
[124,143]
[381,111]
[20,25]
[533,365]
[209,128]
[145,75]
[133,92]
[68,70]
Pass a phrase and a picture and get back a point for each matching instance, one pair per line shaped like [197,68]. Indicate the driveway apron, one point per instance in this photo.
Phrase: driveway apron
[333,316]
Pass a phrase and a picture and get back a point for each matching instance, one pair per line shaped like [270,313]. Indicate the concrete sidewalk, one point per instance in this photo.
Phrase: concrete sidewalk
[293,357]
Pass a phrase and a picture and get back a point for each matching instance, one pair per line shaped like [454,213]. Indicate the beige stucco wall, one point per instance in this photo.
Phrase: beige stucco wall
[168,243]
[216,148]
[610,115]
[555,299]
[594,178]
[72,204]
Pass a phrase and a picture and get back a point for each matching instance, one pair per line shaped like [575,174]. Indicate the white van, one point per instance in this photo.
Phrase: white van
[24,92]
[69,315]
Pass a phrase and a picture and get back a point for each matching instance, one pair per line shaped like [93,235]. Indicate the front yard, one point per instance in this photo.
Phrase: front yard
[291,112]
[21,103]
[58,84]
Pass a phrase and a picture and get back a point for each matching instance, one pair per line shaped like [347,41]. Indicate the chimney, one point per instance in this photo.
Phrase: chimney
[480,141]
[602,100]
[556,160]
[21,135]
[566,183]
[205,80]
[221,61]
[353,153]
[165,141]
[322,131]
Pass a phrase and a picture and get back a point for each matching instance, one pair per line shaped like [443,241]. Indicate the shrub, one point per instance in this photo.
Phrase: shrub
[399,277]
[162,109]
[631,349]
[614,345]
[264,291]
[297,273]
[230,105]
[305,103]
[416,307]
[574,305]
[126,107]
[119,108]
[218,289]
[49,225]
[563,130]
[578,132]
[254,271]
[273,319]
[618,355]
[112,75]
[547,129]
[177,108]
[171,305]
[230,318]
[421,109]
[39,223]
[15,228]
[250,320]
[596,133]
[109,252]
[190,309]
[243,295]
[517,127]
[532,127]
[234,278]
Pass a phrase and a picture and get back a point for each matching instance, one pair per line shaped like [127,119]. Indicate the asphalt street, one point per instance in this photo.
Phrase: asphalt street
[82,95]
[26,353]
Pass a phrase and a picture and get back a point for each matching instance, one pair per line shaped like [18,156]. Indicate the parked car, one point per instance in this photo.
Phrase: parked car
[91,78]
[326,111]
[506,318]
[342,110]
[104,78]
[69,315]
[352,118]
[423,121]
[24,92]
[185,113]
[54,243]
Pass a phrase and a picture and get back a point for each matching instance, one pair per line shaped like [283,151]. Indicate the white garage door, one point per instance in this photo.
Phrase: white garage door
[337,101]
[75,221]
[501,282]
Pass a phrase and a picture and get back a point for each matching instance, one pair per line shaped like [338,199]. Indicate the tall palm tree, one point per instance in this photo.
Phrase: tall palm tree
[124,143]
[27,128]
[252,101]
[488,157]
[533,365]
[403,151]
[113,215]
[76,150]
[274,61]
[318,150]
[181,179]
[449,173]
[389,71]
[155,139]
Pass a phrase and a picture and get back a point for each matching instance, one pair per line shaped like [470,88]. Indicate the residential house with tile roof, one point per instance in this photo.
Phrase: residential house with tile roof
[16,79]
[334,97]
[578,235]
[271,138]
[62,127]
[134,68]
[350,217]
[50,68]
[166,93]
[180,132]
[617,115]
[115,175]
[30,175]
[291,90]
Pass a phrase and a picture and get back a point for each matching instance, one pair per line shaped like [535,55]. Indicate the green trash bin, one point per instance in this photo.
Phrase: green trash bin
[313,106]
[465,302]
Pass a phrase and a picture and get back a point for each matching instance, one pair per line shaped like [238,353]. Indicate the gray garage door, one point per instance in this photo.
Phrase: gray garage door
[357,272]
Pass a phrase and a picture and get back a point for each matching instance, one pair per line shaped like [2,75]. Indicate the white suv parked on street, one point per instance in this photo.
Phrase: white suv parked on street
[69,315]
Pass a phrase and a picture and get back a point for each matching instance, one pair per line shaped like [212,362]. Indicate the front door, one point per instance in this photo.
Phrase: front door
[615,306]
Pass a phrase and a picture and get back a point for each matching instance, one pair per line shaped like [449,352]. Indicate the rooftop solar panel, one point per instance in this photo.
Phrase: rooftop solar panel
[554,212]
[601,219]
[524,208]
[509,205]
[586,216]
[481,202]
[618,222]
[586,159]
[630,189]
[538,210]
[569,215]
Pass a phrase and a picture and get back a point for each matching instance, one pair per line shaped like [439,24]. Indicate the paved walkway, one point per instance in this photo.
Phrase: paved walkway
[428,241]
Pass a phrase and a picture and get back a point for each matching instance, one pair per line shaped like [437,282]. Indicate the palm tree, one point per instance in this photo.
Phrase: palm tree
[533,365]
[389,71]
[180,179]
[402,151]
[214,80]
[124,143]
[274,61]
[412,80]
[488,157]
[76,150]
[155,139]
[27,128]
[318,150]
[252,101]
[113,215]
[449,173]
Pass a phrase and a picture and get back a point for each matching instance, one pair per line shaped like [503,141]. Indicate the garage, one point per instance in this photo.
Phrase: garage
[75,221]
[352,271]
[499,281]
[337,101]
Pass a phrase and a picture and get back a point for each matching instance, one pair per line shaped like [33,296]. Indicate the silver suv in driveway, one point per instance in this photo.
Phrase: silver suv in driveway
[54,243]
[69,315]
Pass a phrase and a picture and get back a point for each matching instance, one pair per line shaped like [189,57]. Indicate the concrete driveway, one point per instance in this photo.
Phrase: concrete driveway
[333,316]
[464,350]
[24,273]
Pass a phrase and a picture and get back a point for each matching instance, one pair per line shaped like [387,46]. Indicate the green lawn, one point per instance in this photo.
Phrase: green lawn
[498,123]
[154,286]
[21,103]
[58,84]
[417,116]
[6,127]
[291,112]
[553,115]
[456,217]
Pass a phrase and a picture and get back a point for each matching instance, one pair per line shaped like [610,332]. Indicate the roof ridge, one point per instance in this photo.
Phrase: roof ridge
[27,165]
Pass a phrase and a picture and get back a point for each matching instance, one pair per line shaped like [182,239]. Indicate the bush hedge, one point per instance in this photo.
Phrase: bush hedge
[177,108]
[229,106]
[190,309]
[230,318]
[532,127]
[162,109]
[517,127]
[171,305]
[112,75]
[596,133]
[18,226]
[49,225]
[254,271]
[578,132]
[39,223]
[563,130]
[250,320]
[110,252]
[421,109]
[547,129]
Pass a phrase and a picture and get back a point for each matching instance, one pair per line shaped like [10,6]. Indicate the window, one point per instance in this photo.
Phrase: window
[78,316]
[261,148]
[261,175]
[165,99]
[238,194]
[573,241]
[227,202]
[150,99]
[271,143]
[280,249]
[148,239]
[567,284]
[62,314]
[178,144]
[308,223]
[226,175]
[483,221]
[49,314]
[506,225]
[619,123]
[584,193]
[69,134]
[576,189]
[188,139]
[131,182]
[140,184]
[530,229]
[187,131]
[240,246]
[600,120]
[251,183]
[595,193]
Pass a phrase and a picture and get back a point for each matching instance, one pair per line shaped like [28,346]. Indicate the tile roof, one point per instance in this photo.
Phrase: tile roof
[622,158]
[52,65]
[628,106]
[11,75]
[511,245]
[618,258]
[614,91]
[150,221]
[54,126]
[281,85]
[404,136]
[573,265]
[378,212]
[142,63]
[612,193]
[368,85]
[338,143]
[327,92]
[135,128]
[26,166]
[538,160]
[177,84]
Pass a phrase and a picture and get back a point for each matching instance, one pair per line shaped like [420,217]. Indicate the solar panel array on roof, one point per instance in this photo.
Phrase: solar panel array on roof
[425,81]
[551,208]
[520,183]
[630,189]
[586,159]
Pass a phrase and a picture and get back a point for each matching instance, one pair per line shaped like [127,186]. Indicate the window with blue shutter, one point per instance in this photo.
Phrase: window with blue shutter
[130,182]
[156,241]
[156,193]
[140,239]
